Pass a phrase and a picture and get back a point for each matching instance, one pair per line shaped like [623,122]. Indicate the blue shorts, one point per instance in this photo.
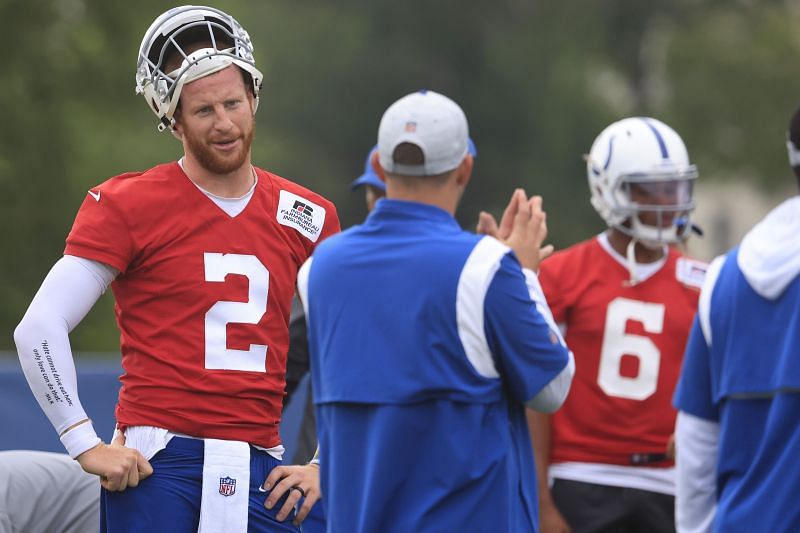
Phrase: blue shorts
[169,500]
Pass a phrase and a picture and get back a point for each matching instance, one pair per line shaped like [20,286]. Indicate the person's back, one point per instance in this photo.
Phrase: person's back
[422,358]
[413,259]
[742,374]
[759,408]
[435,396]
[738,394]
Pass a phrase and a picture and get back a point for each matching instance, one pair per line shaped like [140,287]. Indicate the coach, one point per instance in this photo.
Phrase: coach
[428,341]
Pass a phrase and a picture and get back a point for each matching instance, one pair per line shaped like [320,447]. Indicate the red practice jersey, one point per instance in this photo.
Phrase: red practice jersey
[628,341]
[202,298]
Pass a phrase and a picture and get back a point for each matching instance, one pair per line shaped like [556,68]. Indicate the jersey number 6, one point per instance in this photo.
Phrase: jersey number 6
[218,356]
[617,343]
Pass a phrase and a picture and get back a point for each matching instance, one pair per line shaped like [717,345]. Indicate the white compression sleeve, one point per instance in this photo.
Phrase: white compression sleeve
[553,395]
[696,448]
[68,292]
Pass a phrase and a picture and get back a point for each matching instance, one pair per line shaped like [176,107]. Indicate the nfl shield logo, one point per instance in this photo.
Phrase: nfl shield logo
[227,486]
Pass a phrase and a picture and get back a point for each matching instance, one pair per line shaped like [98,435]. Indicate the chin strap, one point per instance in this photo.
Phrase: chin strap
[631,255]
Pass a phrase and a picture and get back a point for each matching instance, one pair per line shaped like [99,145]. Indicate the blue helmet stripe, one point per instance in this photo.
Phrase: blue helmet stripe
[610,152]
[659,138]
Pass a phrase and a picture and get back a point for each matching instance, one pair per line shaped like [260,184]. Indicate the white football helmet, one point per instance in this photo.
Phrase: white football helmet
[181,27]
[640,166]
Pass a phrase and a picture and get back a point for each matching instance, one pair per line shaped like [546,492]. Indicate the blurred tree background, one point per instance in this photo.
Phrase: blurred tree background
[537,79]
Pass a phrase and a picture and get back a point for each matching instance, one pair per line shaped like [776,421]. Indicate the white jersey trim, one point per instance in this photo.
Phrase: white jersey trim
[302,285]
[660,480]
[704,302]
[476,276]
[553,395]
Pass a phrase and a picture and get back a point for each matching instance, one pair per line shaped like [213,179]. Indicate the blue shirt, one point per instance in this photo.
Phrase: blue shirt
[425,343]
[746,377]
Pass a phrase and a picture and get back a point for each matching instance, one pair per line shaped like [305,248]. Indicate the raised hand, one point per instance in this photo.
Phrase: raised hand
[523,228]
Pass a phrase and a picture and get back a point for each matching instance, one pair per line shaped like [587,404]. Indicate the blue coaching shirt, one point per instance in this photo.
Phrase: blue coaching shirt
[424,344]
[742,370]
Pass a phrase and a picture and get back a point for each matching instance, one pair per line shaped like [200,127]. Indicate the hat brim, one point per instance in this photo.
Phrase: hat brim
[368,178]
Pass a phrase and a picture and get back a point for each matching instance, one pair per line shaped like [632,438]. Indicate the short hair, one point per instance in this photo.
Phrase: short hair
[793,136]
[410,154]
[193,40]
[190,40]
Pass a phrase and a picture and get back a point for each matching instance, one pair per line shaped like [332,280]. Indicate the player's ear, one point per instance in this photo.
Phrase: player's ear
[464,171]
[253,100]
[177,129]
[375,161]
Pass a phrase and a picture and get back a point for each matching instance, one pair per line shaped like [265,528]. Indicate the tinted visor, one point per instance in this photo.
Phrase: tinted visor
[660,193]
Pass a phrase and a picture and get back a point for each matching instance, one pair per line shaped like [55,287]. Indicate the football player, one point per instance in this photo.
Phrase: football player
[625,300]
[202,255]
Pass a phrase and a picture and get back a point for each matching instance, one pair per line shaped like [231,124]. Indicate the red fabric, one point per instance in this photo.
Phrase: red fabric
[605,424]
[155,227]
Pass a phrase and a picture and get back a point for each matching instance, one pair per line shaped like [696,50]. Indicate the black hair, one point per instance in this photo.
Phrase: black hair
[793,136]
[408,154]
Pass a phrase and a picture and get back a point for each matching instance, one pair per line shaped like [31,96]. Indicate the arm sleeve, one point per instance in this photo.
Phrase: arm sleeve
[68,292]
[554,393]
[697,445]
[524,339]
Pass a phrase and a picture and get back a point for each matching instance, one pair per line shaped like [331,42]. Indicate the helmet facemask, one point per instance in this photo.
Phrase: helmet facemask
[656,208]
[175,37]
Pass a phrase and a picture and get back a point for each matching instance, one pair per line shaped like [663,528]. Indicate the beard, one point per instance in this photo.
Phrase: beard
[215,162]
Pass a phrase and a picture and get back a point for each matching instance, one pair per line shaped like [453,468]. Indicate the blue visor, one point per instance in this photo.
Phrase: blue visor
[370,178]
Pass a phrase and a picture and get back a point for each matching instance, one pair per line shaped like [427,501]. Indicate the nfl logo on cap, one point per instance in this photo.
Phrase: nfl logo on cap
[432,122]
[227,486]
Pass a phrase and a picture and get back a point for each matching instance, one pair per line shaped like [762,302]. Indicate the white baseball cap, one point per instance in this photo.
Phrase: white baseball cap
[431,121]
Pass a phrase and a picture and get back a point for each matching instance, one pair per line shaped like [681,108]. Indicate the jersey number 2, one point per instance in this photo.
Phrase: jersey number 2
[617,343]
[218,356]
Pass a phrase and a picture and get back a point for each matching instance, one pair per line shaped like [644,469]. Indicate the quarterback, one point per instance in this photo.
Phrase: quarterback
[625,300]
[202,256]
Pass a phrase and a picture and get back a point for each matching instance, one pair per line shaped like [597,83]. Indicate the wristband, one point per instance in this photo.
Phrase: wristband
[79,439]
